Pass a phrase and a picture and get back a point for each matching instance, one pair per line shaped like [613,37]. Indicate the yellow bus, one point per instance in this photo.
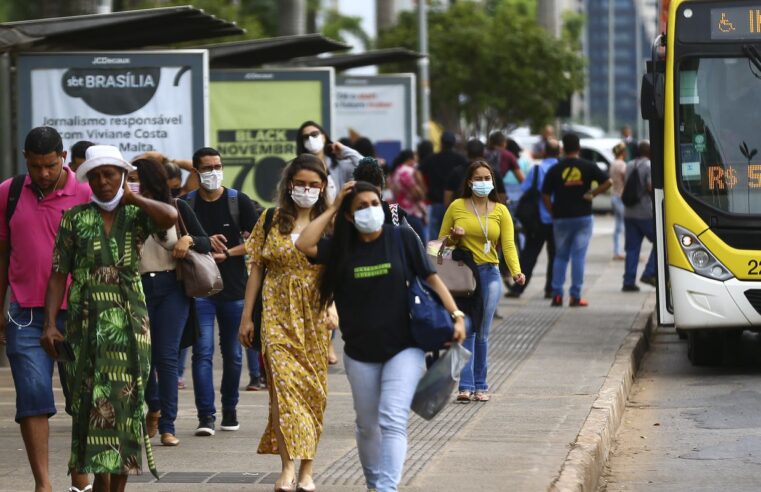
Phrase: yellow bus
[702,98]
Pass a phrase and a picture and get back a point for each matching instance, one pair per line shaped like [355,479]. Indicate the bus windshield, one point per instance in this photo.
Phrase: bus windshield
[720,133]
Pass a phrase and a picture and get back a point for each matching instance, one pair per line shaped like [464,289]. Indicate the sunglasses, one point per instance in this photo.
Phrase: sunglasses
[313,134]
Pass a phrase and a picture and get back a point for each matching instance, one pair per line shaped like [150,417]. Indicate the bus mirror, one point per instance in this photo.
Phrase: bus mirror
[651,96]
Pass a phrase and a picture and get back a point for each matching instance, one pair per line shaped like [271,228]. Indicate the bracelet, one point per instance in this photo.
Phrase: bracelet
[227,253]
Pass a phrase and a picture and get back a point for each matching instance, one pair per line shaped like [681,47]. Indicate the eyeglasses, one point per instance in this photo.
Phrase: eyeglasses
[313,134]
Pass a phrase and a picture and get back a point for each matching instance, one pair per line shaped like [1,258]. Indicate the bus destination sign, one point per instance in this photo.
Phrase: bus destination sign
[736,23]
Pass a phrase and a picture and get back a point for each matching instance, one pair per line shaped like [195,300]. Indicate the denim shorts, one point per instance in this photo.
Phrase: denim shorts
[31,366]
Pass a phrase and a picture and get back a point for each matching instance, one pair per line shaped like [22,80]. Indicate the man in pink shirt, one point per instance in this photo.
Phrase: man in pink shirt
[26,251]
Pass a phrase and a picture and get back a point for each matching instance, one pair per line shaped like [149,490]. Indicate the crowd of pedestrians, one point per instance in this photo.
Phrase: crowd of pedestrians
[91,253]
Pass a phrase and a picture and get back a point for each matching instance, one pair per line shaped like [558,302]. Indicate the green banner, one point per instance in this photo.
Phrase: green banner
[255,115]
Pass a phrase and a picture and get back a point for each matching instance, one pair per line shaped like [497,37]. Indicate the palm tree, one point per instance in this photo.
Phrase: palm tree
[384,14]
[292,16]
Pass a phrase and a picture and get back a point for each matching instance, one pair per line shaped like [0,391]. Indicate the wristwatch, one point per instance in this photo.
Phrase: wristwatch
[456,314]
[227,253]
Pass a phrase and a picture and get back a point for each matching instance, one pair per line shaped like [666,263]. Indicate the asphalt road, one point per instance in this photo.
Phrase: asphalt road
[690,428]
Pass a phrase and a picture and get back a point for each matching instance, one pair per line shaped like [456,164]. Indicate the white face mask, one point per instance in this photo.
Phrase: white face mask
[211,180]
[134,187]
[369,220]
[110,205]
[315,144]
[305,197]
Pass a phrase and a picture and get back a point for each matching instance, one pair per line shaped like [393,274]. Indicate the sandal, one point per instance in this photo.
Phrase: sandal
[464,397]
[481,396]
[87,488]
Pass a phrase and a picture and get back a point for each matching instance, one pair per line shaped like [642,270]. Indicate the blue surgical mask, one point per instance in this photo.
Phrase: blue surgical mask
[482,188]
[369,220]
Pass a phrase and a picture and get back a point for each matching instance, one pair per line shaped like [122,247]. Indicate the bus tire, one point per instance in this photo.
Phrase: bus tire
[704,347]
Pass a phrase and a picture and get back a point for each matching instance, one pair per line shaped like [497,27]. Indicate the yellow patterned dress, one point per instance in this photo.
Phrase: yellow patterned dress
[295,341]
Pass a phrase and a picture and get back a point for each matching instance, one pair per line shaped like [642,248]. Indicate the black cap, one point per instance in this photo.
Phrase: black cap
[448,138]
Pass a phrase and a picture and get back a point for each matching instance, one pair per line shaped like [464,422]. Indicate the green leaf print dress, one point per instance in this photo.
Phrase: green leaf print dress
[107,326]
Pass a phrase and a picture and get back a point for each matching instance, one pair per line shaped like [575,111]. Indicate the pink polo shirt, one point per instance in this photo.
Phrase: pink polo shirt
[34,227]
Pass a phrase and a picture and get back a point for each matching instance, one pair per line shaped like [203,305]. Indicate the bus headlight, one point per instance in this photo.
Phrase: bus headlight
[702,260]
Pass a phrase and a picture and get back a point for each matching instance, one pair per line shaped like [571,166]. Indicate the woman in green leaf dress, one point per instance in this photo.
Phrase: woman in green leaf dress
[98,244]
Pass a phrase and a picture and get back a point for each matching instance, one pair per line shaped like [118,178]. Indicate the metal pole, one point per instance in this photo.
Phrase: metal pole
[611,68]
[425,89]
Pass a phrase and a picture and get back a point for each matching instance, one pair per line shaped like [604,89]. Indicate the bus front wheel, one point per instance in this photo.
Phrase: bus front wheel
[704,347]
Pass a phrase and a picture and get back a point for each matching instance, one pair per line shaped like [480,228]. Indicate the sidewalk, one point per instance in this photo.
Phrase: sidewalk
[547,366]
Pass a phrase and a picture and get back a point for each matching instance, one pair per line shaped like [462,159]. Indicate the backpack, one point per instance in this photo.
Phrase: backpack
[17,185]
[232,204]
[494,158]
[632,193]
[527,210]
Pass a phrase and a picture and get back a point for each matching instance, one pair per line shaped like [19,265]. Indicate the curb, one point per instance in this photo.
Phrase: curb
[583,466]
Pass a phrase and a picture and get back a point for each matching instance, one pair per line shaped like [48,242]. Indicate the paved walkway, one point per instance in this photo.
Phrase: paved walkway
[546,367]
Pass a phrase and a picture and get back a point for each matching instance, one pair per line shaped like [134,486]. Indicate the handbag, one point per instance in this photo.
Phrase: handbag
[198,271]
[434,389]
[456,275]
[430,323]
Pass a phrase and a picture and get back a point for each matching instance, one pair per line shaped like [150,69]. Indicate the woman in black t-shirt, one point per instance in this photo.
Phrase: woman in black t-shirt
[365,276]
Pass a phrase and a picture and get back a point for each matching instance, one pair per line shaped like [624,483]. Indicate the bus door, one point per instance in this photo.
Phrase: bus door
[651,107]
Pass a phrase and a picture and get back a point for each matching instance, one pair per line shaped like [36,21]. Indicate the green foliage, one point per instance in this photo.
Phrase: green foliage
[336,25]
[492,64]
[257,17]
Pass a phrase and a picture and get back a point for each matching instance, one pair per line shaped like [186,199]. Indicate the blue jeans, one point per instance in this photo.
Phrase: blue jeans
[168,309]
[435,218]
[636,231]
[181,362]
[382,395]
[473,375]
[254,369]
[228,315]
[572,238]
[618,213]
[31,366]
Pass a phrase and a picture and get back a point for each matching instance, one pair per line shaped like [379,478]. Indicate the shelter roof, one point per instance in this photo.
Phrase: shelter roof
[254,52]
[115,31]
[353,60]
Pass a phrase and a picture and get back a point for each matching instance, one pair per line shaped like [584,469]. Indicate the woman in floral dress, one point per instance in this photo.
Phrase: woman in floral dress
[295,332]
[107,321]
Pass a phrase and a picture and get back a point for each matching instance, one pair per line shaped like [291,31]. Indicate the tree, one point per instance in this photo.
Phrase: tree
[38,9]
[257,17]
[292,17]
[336,25]
[491,64]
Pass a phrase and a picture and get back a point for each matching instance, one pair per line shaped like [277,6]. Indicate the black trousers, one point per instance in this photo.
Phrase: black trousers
[535,240]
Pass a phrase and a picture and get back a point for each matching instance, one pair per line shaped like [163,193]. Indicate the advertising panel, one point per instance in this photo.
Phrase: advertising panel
[381,108]
[255,116]
[137,101]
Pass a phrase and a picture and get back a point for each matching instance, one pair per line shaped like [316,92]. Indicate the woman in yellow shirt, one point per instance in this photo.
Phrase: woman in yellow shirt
[477,222]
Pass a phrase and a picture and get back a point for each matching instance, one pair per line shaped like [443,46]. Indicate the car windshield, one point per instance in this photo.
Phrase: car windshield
[720,133]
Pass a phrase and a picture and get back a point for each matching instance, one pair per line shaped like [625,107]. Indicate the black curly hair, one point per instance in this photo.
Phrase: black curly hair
[370,171]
